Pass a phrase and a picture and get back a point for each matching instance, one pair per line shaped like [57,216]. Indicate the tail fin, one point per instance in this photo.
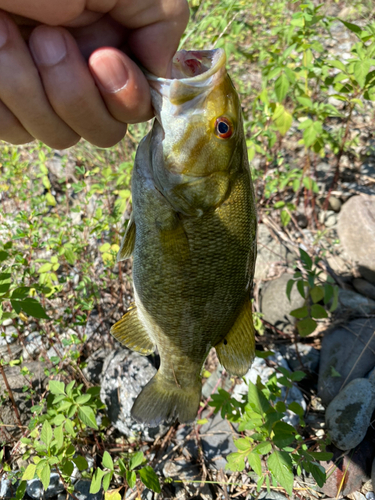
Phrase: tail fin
[160,401]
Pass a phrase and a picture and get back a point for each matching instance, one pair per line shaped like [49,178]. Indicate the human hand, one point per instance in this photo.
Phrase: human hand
[47,89]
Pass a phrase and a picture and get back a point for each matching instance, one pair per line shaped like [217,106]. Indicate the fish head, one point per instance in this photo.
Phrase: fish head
[197,131]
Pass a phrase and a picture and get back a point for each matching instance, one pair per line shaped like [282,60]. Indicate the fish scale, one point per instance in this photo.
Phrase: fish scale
[192,236]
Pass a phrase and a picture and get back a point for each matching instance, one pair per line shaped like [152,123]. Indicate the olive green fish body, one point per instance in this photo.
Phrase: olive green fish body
[193,244]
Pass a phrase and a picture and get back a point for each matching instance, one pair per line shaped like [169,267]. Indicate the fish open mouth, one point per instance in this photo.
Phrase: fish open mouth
[193,72]
[193,66]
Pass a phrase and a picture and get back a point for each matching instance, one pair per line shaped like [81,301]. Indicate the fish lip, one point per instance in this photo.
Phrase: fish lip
[217,56]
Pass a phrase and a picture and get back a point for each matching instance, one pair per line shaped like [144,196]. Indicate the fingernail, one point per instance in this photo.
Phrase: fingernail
[3,31]
[110,72]
[48,46]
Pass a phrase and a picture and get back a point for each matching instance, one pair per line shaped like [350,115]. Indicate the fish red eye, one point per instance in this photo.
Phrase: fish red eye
[223,127]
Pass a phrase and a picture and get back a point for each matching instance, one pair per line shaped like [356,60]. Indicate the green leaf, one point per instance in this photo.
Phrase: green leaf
[264,354]
[318,473]
[280,465]
[96,480]
[318,311]
[297,376]
[282,118]
[305,101]
[68,468]
[285,217]
[337,64]
[352,27]
[281,87]
[301,312]
[80,462]
[69,427]
[83,399]
[243,444]
[235,462]
[136,459]
[44,475]
[29,472]
[46,433]
[257,399]
[56,387]
[106,480]
[289,287]
[50,199]
[255,463]
[45,268]
[305,258]
[107,460]
[3,255]
[87,415]
[323,456]
[335,300]
[131,478]
[70,256]
[306,326]
[334,372]
[361,69]
[33,308]
[317,294]
[20,493]
[150,479]
[282,439]
[263,448]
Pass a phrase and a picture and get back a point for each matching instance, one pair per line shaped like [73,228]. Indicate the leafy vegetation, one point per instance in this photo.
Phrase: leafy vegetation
[266,437]
[59,235]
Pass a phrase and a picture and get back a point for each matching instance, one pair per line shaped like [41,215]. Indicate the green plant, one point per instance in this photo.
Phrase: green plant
[269,446]
[310,286]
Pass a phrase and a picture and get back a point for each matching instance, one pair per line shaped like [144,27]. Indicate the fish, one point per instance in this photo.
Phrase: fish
[192,235]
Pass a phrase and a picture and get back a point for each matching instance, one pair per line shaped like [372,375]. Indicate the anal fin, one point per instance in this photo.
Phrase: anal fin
[128,241]
[132,334]
[236,351]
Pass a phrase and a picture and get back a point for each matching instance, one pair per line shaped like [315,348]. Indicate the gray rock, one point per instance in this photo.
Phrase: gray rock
[186,439]
[270,251]
[370,495]
[33,343]
[93,370]
[347,353]
[349,413]
[356,229]
[272,495]
[8,488]
[9,336]
[7,322]
[261,369]
[275,306]
[217,441]
[187,472]
[334,203]
[125,373]
[307,357]
[82,491]
[372,479]
[364,287]
[354,304]
[35,488]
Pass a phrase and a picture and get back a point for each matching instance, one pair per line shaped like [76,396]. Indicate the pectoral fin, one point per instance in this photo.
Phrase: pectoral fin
[132,334]
[128,241]
[236,351]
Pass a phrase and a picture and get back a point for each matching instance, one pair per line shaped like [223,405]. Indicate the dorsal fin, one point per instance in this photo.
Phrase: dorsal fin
[128,241]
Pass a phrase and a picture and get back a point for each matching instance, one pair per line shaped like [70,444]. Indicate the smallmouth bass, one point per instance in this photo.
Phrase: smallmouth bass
[192,235]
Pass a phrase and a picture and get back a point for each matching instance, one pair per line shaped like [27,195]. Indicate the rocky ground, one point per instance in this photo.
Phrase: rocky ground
[338,395]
